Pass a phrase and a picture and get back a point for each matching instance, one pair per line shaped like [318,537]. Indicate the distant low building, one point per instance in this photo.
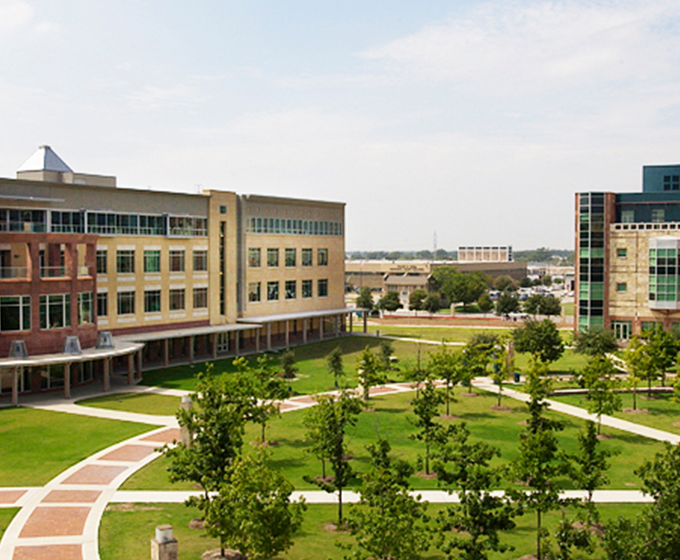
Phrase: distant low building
[404,277]
[490,254]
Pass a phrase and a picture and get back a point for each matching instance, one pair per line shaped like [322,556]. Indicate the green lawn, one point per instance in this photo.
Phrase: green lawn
[126,529]
[392,421]
[311,361]
[162,405]
[37,445]
[6,516]
[663,410]
[436,333]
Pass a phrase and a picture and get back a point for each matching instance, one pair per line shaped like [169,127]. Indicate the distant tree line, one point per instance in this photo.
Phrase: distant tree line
[542,254]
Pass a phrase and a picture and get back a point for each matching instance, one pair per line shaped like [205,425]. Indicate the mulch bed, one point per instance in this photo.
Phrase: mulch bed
[423,474]
[228,555]
[502,408]
[636,410]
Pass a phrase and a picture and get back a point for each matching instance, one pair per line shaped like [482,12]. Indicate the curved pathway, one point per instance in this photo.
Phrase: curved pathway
[60,521]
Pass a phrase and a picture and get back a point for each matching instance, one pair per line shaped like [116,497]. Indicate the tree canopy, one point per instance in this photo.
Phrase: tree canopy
[541,339]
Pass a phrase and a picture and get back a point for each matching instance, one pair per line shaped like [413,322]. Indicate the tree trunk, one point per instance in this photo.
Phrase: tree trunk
[500,388]
[427,457]
[635,397]
[538,534]
[448,398]
[339,507]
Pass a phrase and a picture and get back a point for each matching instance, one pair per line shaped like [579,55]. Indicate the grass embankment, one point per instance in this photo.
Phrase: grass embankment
[6,516]
[36,445]
[126,529]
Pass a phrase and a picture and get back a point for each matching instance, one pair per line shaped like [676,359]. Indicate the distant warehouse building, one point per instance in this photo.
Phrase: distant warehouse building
[627,245]
[173,277]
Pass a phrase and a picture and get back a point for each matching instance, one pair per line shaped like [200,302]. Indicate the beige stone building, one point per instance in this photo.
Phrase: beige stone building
[173,277]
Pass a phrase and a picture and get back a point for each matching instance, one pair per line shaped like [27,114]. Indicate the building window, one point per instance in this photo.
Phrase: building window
[200,261]
[658,215]
[290,257]
[152,301]
[621,287]
[254,257]
[272,291]
[177,299]
[223,209]
[101,261]
[254,292]
[322,288]
[306,288]
[322,257]
[627,216]
[306,257]
[15,313]
[622,252]
[125,262]
[126,303]
[152,261]
[177,260]
[200,298]
[55,311]
[291,289]
[102,304]
[671,182]
[272,258]
[622,329]
[85,308]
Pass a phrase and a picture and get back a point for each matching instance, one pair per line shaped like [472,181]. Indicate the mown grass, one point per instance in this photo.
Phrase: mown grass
[36,445]
[161,405]
[663,411]
[6,516]
[392,420]
[312,377]
[126,529]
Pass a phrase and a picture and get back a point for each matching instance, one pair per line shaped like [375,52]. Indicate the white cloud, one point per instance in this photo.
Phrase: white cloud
[156,97]
[14,14]
[501,47]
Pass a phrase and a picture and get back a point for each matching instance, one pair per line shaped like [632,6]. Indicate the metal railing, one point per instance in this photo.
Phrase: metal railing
[9,272]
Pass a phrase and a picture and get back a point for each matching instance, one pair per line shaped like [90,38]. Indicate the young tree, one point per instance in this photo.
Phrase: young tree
[222,403]
[507,303]
[662,349]
[334,365]
[655,534]
[389,302]
[541,339]
[426,408]
[447,366]
[388,523]
[480,516]
[539,463]
[603,398]
[432,303]
[416,300]
[484,303]
[365,298]
[502,366]
[253,512]
[341,412]
[595,342]
[386,354]
[588,467]
[288,366]
[639,365]
[267,389]
[369,372]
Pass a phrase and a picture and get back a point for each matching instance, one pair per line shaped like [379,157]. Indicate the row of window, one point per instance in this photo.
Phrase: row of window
[293,227]
[290,290]
[290,257]
[55,311]
[104,223]
[125,261]
[126,302]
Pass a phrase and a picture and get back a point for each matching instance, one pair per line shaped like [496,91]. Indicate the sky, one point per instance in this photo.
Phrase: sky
[438,123]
